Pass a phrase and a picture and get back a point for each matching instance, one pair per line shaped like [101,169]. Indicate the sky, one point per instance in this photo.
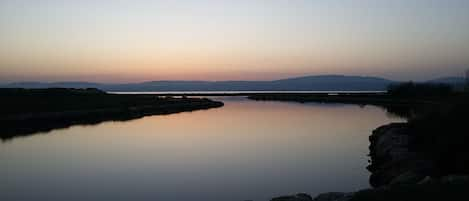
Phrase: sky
[142,40]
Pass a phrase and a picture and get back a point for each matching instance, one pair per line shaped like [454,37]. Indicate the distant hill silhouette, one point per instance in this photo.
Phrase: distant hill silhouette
[313,83]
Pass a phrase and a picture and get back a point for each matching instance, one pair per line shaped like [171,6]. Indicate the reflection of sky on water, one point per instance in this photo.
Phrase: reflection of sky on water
[245,150]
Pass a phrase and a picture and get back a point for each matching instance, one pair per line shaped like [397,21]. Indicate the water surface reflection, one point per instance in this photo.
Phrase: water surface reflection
[245,150]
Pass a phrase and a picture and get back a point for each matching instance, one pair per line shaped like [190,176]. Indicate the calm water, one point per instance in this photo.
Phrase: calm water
[245,150]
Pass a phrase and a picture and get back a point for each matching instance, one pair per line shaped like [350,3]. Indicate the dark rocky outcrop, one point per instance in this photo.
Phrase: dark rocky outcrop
[335,196]
[451,187]
[393,159]
[297,197]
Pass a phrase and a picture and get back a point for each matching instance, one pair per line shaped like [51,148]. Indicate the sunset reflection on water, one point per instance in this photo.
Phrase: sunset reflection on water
[244,150]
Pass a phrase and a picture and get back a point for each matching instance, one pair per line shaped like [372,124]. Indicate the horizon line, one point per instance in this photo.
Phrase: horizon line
[228,80]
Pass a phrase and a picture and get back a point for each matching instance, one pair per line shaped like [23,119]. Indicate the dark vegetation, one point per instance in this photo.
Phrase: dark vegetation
[400,106]
[443,134]
[404,100]
[27,111]
[419,90]
[440,130]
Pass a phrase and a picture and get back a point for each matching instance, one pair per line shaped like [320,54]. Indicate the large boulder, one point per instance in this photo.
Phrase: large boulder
[394,160]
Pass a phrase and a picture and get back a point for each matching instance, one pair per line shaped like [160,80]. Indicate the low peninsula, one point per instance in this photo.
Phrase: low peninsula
[27,111]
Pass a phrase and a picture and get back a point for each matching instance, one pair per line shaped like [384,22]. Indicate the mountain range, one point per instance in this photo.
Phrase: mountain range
[307,83]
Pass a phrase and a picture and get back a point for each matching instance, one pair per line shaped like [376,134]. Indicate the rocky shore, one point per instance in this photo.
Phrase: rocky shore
[322,197]
[393,158]
[423,159]
[448,188]
[400,171]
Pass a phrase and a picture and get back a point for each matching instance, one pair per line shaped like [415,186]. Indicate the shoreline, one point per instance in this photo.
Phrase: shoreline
[397,164]
[34,111]
[399,171]
[348,98]
[405,161]
[401,107]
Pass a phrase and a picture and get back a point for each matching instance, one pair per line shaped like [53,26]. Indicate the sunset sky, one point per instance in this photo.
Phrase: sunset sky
[142,40]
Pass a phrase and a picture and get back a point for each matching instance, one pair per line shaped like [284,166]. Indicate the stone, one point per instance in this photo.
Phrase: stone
[393,161]
[452,179]
[409,177]
[334,197]
[297,197]
[425,180]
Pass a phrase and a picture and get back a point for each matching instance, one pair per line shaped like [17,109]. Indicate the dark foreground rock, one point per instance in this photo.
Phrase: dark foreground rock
[322,197]
[393,158]
[334,197]
[434,190]
[448,188]
[297,197]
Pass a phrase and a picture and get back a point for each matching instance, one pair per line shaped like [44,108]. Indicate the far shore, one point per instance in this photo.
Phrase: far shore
[246,93]
[28,111]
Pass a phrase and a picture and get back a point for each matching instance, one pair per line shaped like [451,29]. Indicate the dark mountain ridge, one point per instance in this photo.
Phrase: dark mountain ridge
[306,83]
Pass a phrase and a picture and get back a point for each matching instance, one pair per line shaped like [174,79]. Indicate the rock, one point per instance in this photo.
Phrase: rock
[389,143]
[297,197]
[334,197]
[409,177]
[393,160]
[304,196]
[426,180]
[453,179]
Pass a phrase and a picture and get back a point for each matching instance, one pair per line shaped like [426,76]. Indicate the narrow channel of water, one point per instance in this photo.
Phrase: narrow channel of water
[244,150]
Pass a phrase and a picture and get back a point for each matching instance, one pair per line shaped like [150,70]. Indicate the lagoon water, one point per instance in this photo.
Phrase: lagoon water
[246,150]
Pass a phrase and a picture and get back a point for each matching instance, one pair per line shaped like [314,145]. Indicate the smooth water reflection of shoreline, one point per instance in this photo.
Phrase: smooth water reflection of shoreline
[245,150]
